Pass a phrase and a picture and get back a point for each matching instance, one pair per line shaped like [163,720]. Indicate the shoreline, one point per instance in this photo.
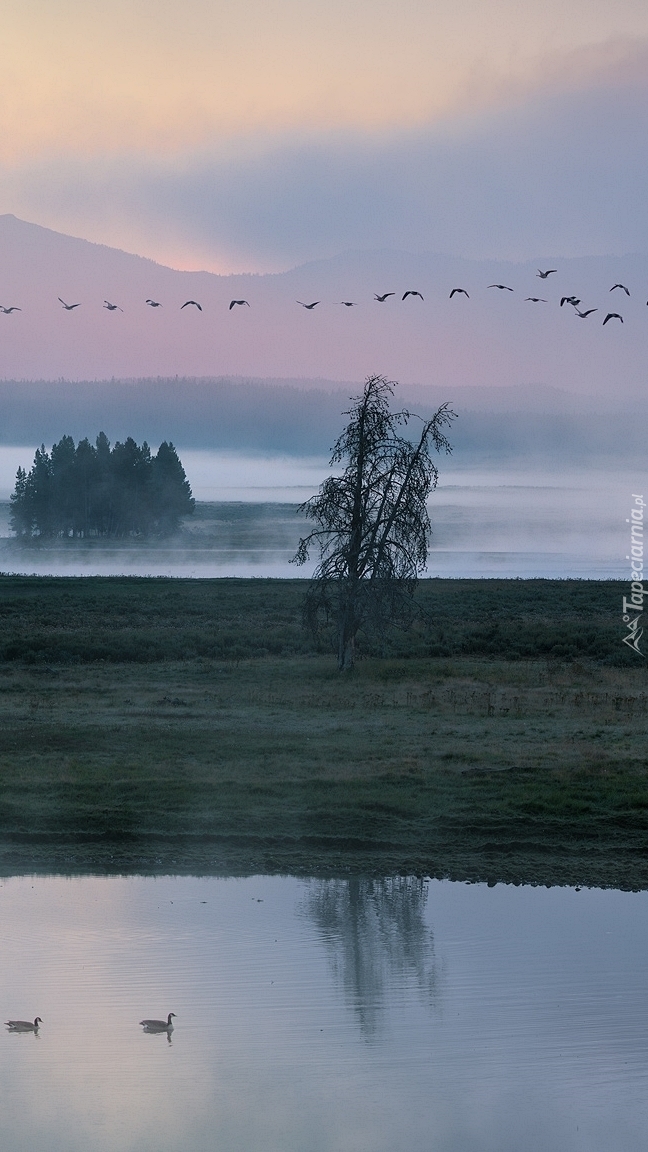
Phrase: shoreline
[601,867]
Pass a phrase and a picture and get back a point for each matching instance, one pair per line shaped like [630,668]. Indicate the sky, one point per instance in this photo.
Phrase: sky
[258,135]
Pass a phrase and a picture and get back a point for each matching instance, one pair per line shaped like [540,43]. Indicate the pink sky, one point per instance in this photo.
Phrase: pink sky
[258,137]
[255,136]
[490,338]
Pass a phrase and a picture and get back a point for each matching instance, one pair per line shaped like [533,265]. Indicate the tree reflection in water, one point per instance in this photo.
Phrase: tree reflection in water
[375,933]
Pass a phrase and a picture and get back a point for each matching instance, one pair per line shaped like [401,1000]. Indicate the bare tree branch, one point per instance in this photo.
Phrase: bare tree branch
[373,525]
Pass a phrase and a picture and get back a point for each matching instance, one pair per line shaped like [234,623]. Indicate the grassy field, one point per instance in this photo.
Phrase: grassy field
[193,726]
[124,620]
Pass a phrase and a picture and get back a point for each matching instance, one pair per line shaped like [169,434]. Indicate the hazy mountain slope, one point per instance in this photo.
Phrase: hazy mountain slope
[494,337]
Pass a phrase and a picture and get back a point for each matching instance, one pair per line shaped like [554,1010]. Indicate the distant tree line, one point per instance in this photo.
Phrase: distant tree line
[91,490]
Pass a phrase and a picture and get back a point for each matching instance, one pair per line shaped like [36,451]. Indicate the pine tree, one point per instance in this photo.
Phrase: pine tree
[171,491]
[20,520]
[91,490]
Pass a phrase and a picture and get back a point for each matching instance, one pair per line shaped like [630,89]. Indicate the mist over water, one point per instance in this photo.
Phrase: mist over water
[493,519]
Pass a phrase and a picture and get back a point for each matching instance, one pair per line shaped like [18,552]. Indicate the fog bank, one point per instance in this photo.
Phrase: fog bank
[486,522]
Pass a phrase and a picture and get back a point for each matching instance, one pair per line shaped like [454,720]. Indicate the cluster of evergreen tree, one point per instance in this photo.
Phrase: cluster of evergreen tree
[92,490]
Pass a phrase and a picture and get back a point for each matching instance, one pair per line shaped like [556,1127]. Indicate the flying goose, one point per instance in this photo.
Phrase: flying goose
[23,1025]
[411,292]
[112,307]
[68,307]
[613,316]
[194,302]
[381,299]
[158,1025]
[584,315]
[536,299]
[458,290]
[233,302]
[626,290]
[154,304]
[309,306]
[503,287]
[8,311]
[543,275]
[570,300]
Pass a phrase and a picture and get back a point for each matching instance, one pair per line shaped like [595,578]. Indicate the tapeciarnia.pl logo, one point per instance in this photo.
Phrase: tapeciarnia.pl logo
[633,606]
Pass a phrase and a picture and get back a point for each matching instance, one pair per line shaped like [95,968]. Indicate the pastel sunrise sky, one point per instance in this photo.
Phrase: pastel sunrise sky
[255,135]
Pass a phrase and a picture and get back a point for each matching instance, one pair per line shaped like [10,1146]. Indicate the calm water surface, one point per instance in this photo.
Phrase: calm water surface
[315,1015]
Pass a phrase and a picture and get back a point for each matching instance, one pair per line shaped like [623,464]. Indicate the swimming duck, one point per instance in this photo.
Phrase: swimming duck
[158,1025]
[23,1025]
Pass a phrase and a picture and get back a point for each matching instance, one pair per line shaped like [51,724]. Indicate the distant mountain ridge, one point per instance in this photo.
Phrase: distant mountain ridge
[494,338]
[305,417]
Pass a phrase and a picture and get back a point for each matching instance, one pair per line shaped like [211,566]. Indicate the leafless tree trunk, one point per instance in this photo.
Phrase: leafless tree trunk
[373,524]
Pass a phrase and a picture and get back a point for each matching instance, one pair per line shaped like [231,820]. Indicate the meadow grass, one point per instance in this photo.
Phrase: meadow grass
[128,619]
[126,742]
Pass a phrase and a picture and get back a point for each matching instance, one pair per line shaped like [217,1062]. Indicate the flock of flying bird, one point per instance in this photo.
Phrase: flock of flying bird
[543,274]
[573,300]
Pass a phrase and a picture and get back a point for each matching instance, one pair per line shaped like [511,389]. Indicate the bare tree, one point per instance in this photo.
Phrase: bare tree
[373,525]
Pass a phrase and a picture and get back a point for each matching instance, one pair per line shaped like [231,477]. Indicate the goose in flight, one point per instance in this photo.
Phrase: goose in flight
[309,306]
[411,292]
[154,303]
[626,290]
[23,1025]
[570,300]
[503,287]
[536,299]
[194,302]
[8,311]
[381,299]
[68,307]
[458,290]
[158,1025]
[348,303]
[112,307]
[584,315]
[543,275]
[233,302]
[612,316]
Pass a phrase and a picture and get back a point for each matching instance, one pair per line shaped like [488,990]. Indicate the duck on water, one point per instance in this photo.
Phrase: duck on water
[158,1025]
[23,1025]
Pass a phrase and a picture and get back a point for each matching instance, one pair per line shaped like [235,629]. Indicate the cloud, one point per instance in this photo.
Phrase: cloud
[152,75]
[563,172]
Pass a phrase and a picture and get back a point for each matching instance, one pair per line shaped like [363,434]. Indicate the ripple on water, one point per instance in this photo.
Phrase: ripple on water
[343,1014]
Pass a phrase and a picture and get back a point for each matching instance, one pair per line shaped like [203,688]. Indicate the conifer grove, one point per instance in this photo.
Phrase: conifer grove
[88,490]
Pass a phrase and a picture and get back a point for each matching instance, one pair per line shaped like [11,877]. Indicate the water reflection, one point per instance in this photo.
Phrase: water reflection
[375,934]
[160,1032]
[537,1039]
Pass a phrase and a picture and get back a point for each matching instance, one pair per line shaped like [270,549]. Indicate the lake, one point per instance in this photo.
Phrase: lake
[488,521]
[348,1015]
